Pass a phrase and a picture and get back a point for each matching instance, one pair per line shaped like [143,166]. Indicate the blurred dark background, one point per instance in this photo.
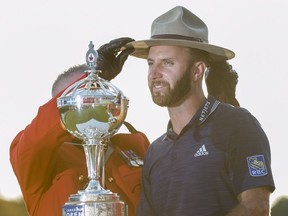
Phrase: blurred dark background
[17,207]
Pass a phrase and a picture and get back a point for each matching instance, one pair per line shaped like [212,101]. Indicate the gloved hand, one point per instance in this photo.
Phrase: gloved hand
[110,59]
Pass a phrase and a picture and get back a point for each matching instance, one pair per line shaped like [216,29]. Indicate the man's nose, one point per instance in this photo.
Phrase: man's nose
[155,72]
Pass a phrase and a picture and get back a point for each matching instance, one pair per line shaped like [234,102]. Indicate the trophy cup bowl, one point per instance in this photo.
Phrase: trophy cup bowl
[92,110]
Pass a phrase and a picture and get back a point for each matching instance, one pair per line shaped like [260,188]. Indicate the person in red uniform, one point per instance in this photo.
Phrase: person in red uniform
[48,171]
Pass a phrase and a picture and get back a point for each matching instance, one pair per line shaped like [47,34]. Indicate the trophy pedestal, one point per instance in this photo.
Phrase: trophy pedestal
[86,203]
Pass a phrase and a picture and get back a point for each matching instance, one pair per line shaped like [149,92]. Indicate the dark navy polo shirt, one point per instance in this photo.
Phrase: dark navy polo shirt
[222,152]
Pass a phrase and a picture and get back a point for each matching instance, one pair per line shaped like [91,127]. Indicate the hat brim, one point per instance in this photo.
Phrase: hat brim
[216,53]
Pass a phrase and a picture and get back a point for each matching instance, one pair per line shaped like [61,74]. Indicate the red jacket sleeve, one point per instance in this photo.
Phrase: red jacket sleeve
[32,152]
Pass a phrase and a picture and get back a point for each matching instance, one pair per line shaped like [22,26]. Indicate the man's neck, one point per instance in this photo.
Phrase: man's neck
[181,115]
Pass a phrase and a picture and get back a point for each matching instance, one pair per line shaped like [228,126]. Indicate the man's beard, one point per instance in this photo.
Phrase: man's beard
[171,97]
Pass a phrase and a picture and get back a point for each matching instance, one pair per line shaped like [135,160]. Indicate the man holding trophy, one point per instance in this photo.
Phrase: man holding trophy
[49,169]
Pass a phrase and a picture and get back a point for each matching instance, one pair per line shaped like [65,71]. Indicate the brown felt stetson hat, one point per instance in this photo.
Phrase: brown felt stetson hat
[180,27]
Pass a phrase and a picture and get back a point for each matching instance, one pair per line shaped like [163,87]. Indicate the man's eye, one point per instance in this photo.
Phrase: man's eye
[168,62]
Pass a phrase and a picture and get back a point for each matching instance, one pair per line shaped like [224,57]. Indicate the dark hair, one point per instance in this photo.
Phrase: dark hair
[198,55]
[221,80]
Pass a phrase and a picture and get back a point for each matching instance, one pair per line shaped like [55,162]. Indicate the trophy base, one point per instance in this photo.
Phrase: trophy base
[94,203]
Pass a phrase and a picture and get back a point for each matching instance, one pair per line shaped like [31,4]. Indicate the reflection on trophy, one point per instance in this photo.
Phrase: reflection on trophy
[93,109]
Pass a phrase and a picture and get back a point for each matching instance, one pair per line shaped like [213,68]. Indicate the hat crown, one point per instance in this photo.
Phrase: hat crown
[180,27]
[181,23]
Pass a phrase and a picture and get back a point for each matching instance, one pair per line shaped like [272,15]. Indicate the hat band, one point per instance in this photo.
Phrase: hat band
[173,36]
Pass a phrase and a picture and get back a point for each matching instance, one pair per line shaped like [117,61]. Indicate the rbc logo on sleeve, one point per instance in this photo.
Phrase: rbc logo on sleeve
[256,165]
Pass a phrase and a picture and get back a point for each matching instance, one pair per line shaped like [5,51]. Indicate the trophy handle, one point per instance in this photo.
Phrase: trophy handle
[117,121]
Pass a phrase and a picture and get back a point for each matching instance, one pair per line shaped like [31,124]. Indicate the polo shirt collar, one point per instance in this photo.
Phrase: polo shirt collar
[207,108]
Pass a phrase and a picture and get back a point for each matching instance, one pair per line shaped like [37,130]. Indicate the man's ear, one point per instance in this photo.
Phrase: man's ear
[199,69]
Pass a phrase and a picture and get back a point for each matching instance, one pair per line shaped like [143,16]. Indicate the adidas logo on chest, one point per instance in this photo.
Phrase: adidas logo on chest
[201,151]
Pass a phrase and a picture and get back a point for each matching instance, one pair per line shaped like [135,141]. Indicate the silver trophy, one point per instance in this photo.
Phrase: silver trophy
[93,109]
